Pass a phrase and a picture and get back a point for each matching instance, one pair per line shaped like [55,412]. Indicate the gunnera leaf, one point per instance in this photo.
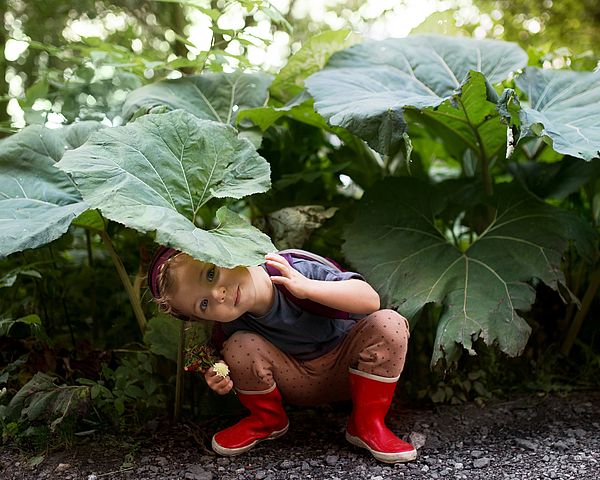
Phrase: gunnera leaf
[483,289]
[155,174]
[211,96]
[561,109]
[366,87]
[37,201]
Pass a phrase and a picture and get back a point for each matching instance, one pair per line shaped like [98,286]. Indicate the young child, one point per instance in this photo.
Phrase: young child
[277,350]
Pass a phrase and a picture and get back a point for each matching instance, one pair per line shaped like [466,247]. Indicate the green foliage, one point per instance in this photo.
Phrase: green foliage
[38,201]
[32,321]
[162,336]
[459,389]
[560,110]
[130,389]
[468,123]
[156,173]
[41,407]
[216,96]
[411,262]
[421,71]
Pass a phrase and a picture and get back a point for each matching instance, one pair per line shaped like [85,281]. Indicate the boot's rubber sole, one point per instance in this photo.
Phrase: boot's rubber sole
[229,452]
[386,457]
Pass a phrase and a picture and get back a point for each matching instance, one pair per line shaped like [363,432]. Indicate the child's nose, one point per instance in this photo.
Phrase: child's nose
[219,294]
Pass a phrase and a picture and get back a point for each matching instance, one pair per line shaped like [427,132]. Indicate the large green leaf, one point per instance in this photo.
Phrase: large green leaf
[366,87]
[469,121]
[37,201]
[411,263]
[212,96]
[561,108]
[156,173]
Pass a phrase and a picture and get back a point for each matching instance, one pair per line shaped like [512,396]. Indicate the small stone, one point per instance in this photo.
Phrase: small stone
[417,439]
[476,453]
[305,466]
[260,475]
[198,474]
[560,445]
[425,468]
[524,443]
[458,466]
[481,462]
[161,460]
[92,477]
[286,464]
[377,477]
[62,467]
[331,460]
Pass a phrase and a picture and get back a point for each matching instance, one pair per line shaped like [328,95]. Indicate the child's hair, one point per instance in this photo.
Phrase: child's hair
[161,279]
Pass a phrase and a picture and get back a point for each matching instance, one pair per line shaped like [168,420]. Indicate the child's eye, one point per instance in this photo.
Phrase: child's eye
[210,275]
[204,304]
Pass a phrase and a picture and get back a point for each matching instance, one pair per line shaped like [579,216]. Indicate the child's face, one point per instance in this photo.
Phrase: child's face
[208,292]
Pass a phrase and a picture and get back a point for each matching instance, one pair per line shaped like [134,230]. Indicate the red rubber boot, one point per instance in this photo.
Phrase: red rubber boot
[267,421]
[371,399]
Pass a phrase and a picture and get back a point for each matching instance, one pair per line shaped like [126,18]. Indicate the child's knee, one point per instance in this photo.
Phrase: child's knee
[246,354]
[390,327]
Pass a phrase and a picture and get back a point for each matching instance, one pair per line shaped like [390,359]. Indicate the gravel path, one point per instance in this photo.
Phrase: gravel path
[525,438]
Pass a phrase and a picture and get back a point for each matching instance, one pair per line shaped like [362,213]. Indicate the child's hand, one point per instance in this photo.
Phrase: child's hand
[221,385]
[296,283]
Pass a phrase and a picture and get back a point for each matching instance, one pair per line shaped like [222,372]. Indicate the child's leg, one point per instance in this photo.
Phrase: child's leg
[257,391]
[377,345]
[256,364]
[377,350]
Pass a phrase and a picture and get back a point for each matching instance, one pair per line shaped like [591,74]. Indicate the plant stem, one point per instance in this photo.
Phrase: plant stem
[485,167]
[62,299]
[575,287]
[582,313]
[179,377]
[93,298]
[136,304]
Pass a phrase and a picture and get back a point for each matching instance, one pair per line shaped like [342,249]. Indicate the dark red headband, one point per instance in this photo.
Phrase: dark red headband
[160,257]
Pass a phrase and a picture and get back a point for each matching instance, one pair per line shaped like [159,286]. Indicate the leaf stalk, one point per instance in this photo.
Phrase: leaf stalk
[134,299]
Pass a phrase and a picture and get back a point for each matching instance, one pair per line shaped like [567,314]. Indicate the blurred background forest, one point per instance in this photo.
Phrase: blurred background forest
[66,61]
[62,59]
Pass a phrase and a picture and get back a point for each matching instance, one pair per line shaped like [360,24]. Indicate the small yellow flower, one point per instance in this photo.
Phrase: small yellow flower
[221,369]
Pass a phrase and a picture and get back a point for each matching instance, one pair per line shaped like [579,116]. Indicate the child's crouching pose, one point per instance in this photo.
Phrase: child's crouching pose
[278,346]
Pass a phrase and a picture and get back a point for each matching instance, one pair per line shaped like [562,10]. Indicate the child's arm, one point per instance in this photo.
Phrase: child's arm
[353,296]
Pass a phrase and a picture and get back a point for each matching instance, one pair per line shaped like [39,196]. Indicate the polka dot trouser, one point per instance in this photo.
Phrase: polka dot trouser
[377,345]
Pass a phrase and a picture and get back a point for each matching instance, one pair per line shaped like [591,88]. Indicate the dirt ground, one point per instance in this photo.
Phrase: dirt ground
[533,437]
